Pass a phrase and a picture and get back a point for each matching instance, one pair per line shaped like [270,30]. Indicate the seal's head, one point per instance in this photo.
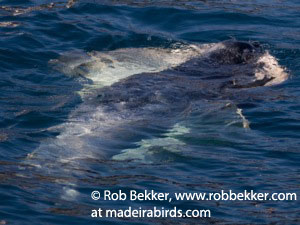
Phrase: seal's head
[236,52]
[244,65]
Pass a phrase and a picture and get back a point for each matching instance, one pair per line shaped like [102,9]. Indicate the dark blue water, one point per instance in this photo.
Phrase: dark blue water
[216,154]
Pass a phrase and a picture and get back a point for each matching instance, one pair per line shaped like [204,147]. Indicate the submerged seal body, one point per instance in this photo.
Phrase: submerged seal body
[119,113]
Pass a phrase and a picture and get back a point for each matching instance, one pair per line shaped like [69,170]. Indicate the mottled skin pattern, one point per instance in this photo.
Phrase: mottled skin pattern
[169,92]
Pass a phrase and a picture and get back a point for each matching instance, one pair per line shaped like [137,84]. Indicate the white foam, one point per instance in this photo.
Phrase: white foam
[69,194]
[268,67]
[246,123]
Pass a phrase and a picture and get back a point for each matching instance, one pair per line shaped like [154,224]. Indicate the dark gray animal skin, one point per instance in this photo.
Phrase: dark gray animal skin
[215,76]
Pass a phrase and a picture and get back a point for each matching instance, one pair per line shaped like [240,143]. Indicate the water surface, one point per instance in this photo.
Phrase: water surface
[214,151]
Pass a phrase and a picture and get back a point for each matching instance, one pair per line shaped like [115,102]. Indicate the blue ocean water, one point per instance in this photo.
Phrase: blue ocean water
[216,153]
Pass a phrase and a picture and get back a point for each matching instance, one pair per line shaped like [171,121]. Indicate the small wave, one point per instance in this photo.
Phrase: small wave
[16,11]
[9,24]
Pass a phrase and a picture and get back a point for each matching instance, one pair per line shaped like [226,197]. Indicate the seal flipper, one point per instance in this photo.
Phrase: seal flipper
[256,83]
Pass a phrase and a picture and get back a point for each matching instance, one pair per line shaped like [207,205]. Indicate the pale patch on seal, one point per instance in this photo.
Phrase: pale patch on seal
[107,68]
[268,67]
[169,143]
